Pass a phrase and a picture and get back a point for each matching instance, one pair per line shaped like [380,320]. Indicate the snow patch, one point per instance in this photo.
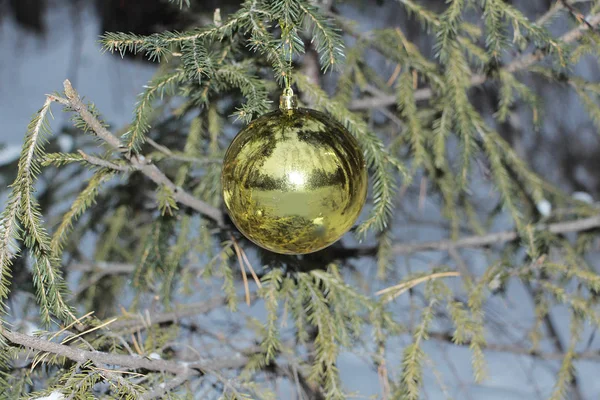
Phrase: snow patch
[9,154]
[65,142]
[583,196]
[544,207]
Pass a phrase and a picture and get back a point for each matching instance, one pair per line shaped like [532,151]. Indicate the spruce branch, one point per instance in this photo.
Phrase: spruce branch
[158,87]
[9,232]
[328,311]
[287,12]
[496,37]
[47,278]
[378,158]
[408,110]
[448,29]
[186,157]
[262,40]
[519,64]
[271,343]
[327,346]
[425,16]
[137,162]
[412,373]
[567,374]
[240,76]
[157,45]
[83,201]
[327,39]
[251,18]
[465,115]
[61,159]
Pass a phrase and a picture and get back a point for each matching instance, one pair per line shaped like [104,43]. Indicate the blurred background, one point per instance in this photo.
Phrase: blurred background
[43,42]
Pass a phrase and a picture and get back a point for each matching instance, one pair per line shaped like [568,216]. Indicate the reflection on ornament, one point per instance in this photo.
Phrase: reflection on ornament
[294,180]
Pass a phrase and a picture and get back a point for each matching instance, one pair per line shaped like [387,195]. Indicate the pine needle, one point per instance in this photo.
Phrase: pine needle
[245,258]
[70,338]
[242,268]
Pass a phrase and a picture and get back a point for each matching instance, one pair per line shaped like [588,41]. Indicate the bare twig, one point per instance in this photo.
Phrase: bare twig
[179,157]
[98,273]
[104,268]
[139,322]
[577,225]
[502,348]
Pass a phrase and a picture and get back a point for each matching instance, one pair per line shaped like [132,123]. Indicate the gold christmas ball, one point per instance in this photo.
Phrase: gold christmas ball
[294,180]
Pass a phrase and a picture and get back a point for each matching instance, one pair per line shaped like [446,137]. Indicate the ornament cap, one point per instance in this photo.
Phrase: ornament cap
[288,100]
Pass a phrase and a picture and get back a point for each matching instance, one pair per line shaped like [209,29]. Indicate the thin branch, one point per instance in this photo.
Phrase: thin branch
[577,225]
[517,350]
[576,14]
[103,163]
[137,162]
[98,272]
[183,371]
[139,322]
[404,286]
[170,154]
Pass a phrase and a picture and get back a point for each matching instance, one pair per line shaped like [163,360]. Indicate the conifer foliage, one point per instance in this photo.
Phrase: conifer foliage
[140,288]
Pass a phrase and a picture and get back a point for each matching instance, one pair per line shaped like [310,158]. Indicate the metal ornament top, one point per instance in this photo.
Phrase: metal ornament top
[288,101]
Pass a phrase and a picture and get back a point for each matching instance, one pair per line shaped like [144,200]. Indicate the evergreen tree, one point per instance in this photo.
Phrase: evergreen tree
[112,278]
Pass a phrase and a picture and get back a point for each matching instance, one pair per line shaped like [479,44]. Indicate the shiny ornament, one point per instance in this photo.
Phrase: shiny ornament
[294,180]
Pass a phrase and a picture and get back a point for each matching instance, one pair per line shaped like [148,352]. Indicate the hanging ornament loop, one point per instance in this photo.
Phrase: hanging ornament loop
[288,100]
